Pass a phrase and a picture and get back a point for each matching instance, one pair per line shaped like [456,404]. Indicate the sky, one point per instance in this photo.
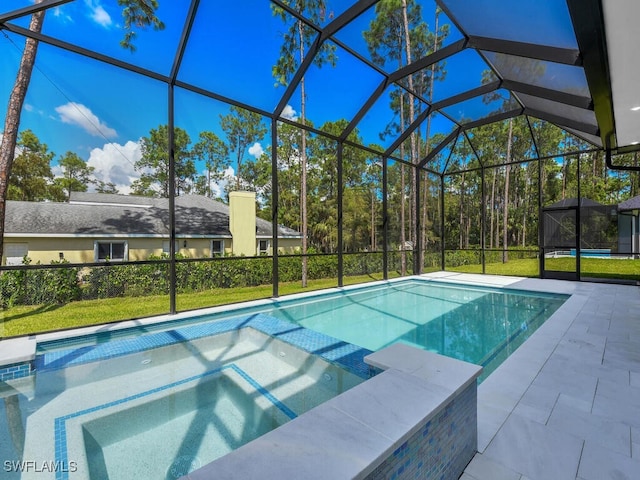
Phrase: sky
[100,111]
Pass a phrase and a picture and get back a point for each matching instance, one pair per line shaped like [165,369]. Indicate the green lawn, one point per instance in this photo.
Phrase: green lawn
[23,320]
[589,267]
[519,268]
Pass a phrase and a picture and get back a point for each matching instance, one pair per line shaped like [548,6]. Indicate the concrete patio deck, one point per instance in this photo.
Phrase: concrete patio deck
[566,404]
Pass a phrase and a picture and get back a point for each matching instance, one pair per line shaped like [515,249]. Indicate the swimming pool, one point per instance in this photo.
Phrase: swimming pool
[150,413]
[479,325]
[98,404]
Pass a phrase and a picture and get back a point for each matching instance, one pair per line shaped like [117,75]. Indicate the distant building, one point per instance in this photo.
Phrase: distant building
[605,229]
[629,221]
[95,227]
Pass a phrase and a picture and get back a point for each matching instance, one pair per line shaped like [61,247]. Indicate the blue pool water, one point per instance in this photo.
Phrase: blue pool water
[592,252]
[476,324]
[163,404]
[191,390]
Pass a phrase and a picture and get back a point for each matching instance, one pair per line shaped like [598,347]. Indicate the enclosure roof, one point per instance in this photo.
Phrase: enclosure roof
[572,63]
[573,202]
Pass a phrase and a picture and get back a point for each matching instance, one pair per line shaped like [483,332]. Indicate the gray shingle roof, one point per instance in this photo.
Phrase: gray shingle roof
[631,204]
[109,214]
[79,197]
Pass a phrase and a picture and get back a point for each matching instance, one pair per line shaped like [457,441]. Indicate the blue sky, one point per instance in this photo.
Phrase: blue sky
[100,112]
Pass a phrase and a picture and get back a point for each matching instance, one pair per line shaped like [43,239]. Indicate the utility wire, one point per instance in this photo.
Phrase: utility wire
[74,104]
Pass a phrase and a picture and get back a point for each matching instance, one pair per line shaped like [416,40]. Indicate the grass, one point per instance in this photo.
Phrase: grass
[24,320]
[608,268]
[520,268]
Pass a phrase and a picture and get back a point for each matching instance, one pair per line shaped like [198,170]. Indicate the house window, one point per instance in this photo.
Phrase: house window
[263,247]
[111,251]
[166,244]
[217,248]
[15,252]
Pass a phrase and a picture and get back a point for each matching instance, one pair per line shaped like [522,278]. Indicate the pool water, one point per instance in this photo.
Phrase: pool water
[158,404]
[158,413]
[198,424]
[475,324]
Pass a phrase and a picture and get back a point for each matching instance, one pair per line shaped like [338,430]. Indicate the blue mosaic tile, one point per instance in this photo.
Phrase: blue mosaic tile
[263,391]
[60,428]
[15,370]
[436,451]
[348,356]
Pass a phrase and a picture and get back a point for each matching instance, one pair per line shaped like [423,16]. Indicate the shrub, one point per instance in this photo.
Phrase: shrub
[39,286]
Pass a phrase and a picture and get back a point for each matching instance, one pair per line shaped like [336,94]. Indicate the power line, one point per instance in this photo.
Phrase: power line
[74,104]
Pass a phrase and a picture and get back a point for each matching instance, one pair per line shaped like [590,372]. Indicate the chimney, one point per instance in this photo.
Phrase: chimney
[242,222]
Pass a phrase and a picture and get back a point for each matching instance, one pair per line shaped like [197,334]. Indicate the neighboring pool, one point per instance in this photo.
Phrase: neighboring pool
[592,252]
[476,324]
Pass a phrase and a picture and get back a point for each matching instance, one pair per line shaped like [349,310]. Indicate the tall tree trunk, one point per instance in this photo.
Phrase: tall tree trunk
[525,209]
[14,110]
[505,215]
[423,227]
[492,209]
[403,238]
[303,165]
[497,239]
[461,220]
[239,158]
[564,178]
[414,153]
[373,221]
[427,150]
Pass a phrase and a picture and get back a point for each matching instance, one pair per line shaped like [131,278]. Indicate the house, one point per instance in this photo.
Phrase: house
[95,227]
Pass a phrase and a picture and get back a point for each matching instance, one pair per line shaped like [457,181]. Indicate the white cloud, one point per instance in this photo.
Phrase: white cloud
[61,15]
[218,188]
[114,163]
[77,114]
[28,107]
[256,150]
[289,113]
[99,14]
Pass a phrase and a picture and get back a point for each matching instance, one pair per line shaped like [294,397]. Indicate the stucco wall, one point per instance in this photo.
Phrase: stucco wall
[81,250]
[242,222]
[289,245]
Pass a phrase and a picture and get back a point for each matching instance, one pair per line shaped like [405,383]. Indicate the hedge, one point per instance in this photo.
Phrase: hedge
[65,284]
